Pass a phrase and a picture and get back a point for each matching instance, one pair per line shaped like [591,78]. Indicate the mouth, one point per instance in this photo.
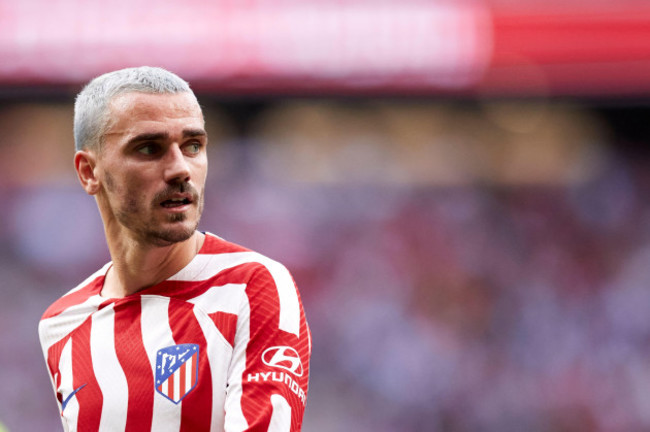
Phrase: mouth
[177,202]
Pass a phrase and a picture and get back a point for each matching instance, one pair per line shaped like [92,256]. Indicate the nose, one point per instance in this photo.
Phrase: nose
[176,167]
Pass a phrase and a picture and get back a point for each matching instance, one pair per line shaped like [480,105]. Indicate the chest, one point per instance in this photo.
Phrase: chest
[151,364]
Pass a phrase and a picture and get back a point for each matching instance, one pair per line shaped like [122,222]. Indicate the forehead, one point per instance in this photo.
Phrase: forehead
[135,110]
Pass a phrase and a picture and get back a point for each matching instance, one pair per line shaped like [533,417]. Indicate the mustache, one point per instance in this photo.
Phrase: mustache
[171,190]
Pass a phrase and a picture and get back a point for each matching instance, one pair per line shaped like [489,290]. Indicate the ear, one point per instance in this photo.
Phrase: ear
[85,163]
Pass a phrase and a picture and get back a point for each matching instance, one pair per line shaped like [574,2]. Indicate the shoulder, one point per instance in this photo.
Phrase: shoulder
[90,287]
[71,310]
[221,258]
[269,286]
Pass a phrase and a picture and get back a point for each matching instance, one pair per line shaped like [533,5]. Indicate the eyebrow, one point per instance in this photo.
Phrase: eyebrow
[191,133]
[161,136]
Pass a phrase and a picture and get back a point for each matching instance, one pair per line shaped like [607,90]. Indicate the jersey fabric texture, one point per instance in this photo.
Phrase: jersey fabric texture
[223,345]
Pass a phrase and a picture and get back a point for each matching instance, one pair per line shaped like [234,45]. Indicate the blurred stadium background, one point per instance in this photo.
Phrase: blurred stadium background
[459,188]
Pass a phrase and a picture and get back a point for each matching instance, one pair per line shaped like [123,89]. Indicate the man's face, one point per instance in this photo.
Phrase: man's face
[152,167]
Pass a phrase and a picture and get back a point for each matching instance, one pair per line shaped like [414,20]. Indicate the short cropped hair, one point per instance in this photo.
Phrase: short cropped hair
[91,105]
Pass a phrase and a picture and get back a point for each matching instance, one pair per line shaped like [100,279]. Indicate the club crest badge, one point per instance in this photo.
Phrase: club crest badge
[177,371]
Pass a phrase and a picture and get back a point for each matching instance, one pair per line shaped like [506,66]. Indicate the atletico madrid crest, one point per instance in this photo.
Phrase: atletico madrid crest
[177,371]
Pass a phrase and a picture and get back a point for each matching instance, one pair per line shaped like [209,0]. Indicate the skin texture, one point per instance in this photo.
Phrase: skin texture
[153,151]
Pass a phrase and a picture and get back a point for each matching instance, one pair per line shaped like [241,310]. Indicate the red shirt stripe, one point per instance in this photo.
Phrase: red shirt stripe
[133,359]
[186,329]
[90,398]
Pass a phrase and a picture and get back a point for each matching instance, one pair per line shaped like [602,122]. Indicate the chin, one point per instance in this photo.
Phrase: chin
[165,236]
[168,237]
[173,228]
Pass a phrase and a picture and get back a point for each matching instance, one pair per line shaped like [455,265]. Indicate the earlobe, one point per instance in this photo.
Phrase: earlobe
[85,164]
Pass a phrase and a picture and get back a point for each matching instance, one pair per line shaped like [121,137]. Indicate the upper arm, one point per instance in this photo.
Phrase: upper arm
[268,375]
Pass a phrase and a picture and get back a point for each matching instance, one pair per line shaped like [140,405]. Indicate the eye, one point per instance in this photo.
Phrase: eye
[149,149]
[193,147]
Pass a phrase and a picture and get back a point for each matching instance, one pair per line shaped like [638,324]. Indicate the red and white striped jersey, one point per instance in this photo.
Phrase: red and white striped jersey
[223,345]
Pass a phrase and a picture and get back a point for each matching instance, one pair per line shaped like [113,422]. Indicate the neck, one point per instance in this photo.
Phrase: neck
[137,266]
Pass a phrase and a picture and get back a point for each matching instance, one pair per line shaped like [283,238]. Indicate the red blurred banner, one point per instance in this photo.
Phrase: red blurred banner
[342,47]
[598,49]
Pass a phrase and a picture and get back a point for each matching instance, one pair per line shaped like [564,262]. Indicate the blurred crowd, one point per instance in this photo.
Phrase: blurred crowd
[464,267]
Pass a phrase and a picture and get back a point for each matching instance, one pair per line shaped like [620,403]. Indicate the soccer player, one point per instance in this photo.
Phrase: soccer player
[182,330]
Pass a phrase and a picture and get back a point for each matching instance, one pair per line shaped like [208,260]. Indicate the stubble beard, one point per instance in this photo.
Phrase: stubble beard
[156,234]
[152,232]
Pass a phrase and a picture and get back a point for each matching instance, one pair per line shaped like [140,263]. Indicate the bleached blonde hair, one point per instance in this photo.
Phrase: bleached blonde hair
[91,104]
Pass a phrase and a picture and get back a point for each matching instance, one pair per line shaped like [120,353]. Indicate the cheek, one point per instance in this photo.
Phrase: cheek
[127,191]
[109,182]
[201,173]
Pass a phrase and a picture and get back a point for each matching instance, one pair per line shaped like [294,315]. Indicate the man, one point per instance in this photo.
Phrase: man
[182,331]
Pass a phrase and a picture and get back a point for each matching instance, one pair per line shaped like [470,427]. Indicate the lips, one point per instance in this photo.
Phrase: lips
[175,202]
[176,198]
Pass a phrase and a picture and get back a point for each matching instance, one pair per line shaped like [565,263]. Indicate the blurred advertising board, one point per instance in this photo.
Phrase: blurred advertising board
[256,45]
[336,47]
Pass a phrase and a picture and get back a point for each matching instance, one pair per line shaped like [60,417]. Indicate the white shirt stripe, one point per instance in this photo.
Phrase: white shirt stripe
[63,324]
[204,267]
[281,416]
[108,372]
[71,412]
[222,298]
[218,355]
[157,334]
[235,419]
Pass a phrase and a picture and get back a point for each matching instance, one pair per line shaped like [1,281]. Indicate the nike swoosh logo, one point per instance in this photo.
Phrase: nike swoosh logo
[66,400]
